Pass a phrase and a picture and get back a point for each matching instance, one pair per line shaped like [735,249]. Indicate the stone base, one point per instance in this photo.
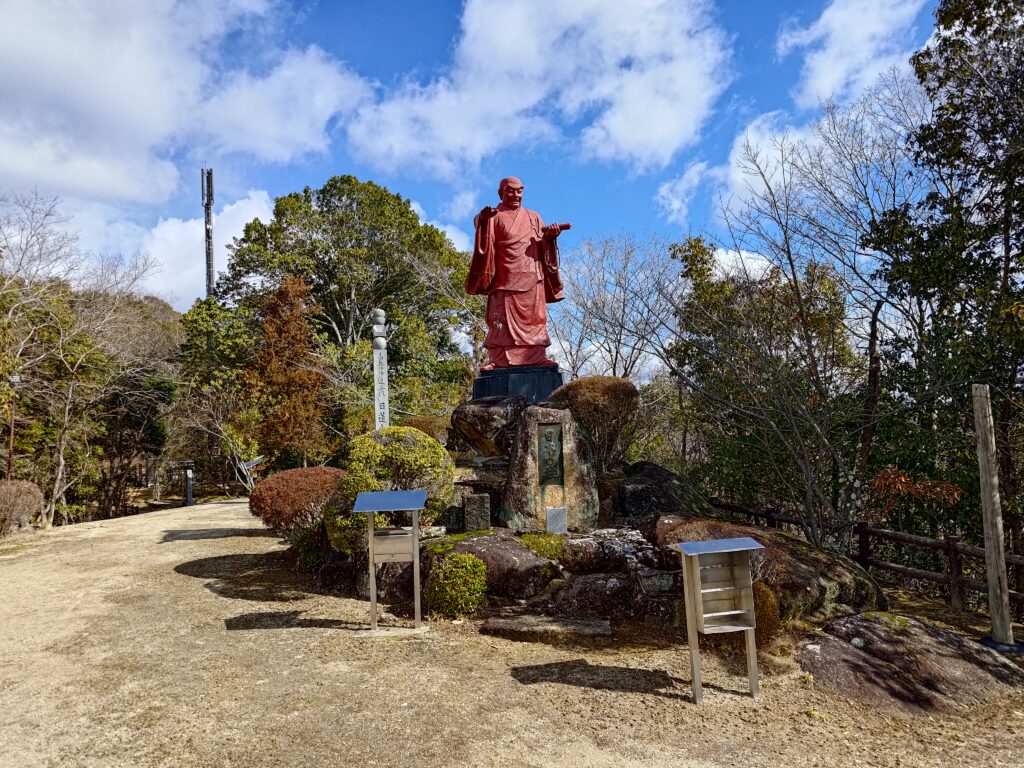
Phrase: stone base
[534,382]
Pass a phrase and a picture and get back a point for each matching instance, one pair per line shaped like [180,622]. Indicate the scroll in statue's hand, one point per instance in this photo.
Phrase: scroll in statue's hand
[554,230]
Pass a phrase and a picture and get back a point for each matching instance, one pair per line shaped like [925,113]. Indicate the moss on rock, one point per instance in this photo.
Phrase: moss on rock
[549,545]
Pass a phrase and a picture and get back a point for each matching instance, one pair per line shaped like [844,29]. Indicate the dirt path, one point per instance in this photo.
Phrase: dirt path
[179,638]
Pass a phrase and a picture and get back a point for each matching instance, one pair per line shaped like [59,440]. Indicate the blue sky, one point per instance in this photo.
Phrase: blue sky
[619,115]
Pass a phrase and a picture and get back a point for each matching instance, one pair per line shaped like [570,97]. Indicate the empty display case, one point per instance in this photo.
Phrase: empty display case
[718,591]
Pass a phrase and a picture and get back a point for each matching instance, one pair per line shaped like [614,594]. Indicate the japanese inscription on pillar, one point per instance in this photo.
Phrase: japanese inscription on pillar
[382,417]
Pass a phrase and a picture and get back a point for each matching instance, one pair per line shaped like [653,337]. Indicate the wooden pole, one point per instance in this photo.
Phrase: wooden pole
[995,562]
[956,573]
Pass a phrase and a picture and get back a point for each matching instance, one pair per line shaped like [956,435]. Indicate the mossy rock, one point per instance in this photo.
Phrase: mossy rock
[549,545]
[809,582]
[513,570]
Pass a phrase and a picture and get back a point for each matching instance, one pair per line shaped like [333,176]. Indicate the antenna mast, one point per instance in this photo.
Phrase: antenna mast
[206,187]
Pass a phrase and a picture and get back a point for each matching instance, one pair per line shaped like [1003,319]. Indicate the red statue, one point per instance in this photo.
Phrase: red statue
[515,262]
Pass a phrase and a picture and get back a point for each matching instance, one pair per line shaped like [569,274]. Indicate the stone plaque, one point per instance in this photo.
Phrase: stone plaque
[477,507]
[558,520]
[549,454]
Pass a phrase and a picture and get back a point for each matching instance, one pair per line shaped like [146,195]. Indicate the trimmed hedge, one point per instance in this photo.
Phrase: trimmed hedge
[293,501]
[20,501]
[456,585]
[606,409]
[435,426]
[400,458]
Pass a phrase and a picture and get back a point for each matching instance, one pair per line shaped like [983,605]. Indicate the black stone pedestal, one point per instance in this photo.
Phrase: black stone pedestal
[534,382]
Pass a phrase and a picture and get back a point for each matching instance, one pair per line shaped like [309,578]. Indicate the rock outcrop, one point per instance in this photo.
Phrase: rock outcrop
[904,665]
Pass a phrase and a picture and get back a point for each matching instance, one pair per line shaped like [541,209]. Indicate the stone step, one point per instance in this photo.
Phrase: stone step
[547,629]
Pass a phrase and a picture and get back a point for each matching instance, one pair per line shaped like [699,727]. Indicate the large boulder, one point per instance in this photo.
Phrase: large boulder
[512,569]
[488,423]
[901,664]
[595,596]
[525,501]
[649,489]
[809,582]
[607,550]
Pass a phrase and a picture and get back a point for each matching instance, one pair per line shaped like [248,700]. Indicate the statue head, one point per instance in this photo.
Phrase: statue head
[510,190]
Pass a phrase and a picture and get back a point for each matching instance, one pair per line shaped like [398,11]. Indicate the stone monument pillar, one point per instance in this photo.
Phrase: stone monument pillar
[381,414]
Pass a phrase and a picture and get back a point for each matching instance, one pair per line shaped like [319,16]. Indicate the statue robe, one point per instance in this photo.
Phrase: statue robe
[517,267]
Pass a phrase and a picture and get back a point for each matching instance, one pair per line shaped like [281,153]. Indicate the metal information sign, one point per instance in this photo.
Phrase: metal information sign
[393,545]
[719,596]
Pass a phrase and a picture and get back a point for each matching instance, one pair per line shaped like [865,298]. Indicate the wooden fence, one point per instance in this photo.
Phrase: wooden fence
[771,518]
[953,548]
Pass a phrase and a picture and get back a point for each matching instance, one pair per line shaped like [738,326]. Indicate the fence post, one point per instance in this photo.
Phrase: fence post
[863,544]
[992,516]
[956,573]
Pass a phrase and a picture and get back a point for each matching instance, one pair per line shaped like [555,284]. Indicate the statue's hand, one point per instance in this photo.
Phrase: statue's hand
[554,230]
[487,213]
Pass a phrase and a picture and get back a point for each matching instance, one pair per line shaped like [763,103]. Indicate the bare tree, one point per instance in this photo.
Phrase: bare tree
[613,306]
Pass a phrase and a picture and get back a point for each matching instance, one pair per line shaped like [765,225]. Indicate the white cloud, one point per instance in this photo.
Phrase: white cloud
[459,238]
[178,246]
[636,80]
[99,99]
[674,196]
[461,206]
[285,114]
[733,263]
[849,46]
[95,95]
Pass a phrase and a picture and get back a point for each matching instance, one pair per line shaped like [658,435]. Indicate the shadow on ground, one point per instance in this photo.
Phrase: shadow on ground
[625,679]
[198,534]
[267,577]
[286,620]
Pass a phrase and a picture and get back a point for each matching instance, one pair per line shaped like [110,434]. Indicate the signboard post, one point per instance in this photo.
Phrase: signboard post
[382,417]
[394,544]
[719,597]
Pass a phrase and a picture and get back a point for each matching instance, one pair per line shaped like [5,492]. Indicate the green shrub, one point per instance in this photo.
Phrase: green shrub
[307,548]
[294,500]
[606,409]
[20,501]
[456,585]
[400,458]
[346,531]
[435,426]
[547,545]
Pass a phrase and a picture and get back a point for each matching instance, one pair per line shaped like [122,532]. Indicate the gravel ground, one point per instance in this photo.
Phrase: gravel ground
[180,638]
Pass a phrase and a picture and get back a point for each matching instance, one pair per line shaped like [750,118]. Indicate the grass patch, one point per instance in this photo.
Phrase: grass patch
[549,545]
[447,543]
[888,620]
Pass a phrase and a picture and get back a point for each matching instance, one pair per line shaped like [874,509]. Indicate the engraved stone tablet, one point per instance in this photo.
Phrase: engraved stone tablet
[558,520]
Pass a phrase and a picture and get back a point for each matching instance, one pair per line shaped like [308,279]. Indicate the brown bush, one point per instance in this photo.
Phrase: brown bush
[766,629]
[606,408]
[20,501]
[435,426]
[292,501]
[766,614]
